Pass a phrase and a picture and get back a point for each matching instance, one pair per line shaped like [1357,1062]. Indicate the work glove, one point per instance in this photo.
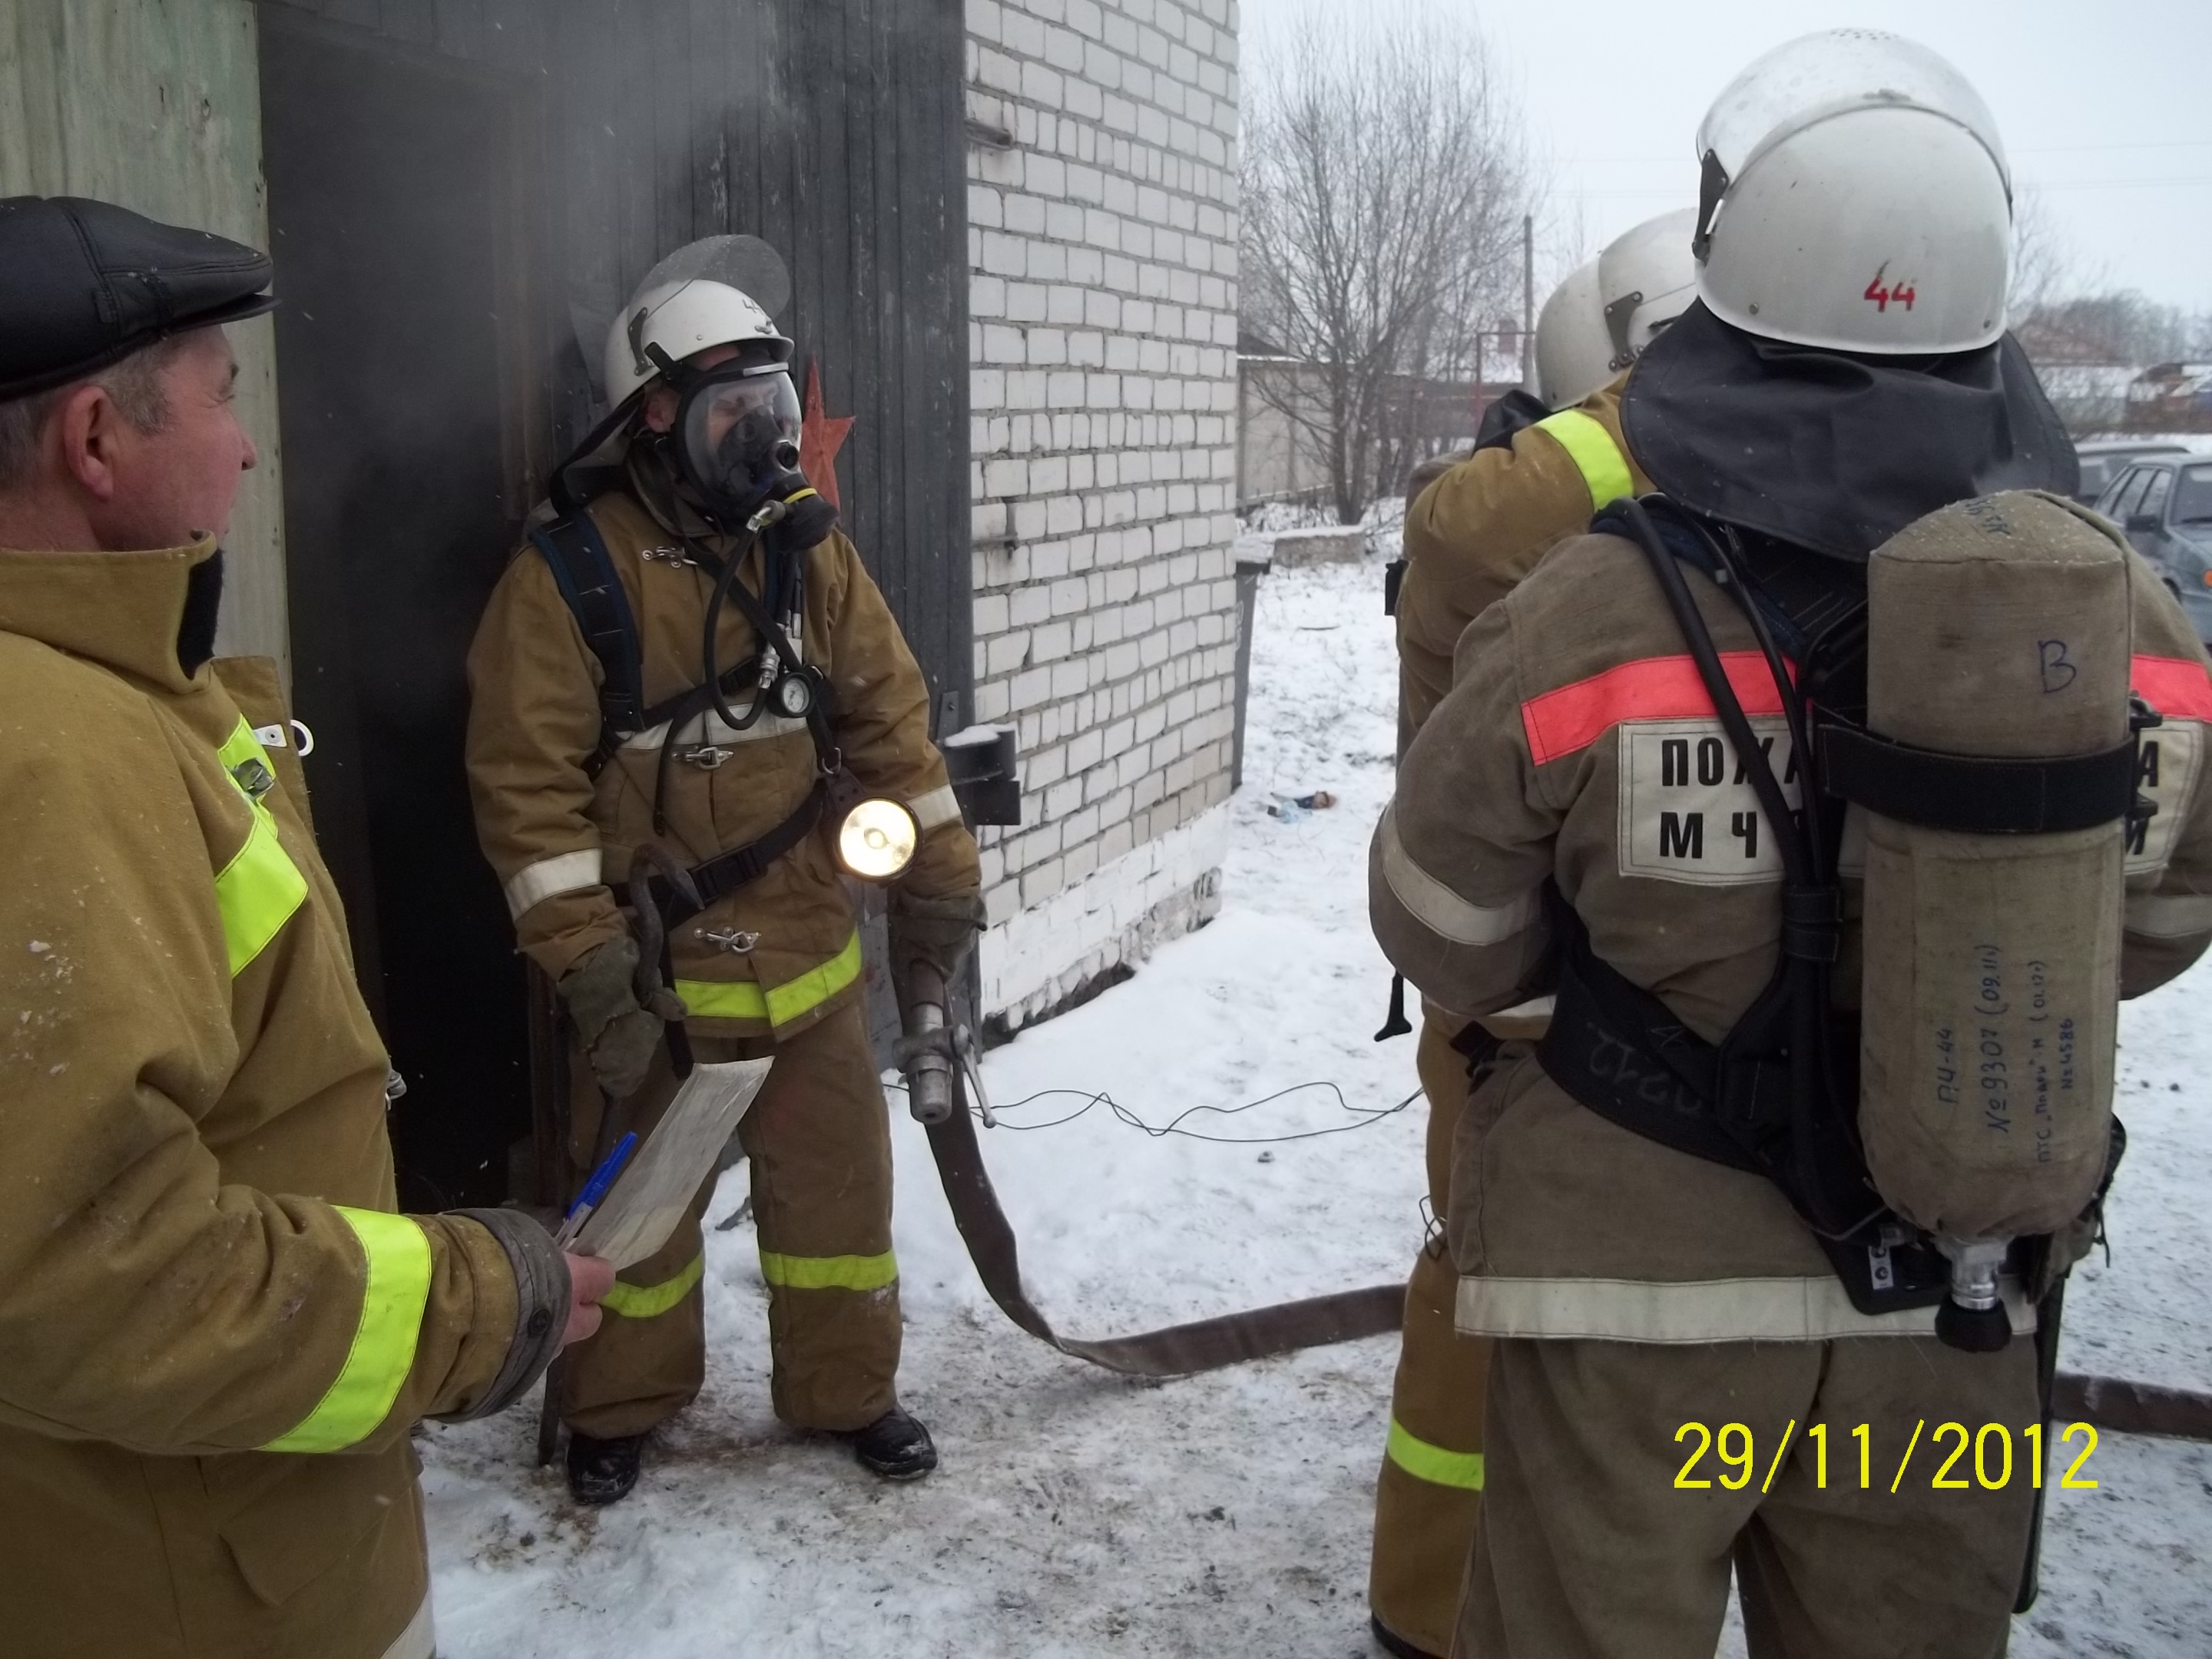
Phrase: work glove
[939,932]
[619,1036]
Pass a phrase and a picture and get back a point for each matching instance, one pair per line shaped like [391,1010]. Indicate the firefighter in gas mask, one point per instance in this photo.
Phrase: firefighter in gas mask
[1475,526]
[1812,786]
[688,670]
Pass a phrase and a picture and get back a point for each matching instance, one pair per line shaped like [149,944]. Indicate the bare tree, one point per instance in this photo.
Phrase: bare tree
[1383,186]
[2054,292]
[2046,269]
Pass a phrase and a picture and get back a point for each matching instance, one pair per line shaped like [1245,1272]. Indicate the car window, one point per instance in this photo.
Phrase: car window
[2096,472]
[2123,505]
[2192,502]
[2153,500]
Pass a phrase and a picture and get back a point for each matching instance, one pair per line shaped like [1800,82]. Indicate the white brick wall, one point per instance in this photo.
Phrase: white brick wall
[1103,288]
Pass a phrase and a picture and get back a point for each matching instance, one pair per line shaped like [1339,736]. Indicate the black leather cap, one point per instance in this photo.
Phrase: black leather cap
[86,283]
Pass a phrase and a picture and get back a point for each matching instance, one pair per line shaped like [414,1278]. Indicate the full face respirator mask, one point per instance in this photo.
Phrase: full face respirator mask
[736,443]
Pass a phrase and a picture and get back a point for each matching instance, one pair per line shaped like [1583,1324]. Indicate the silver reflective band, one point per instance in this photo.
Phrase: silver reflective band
[1702,1310]
[564,873]
[711,728]
[940,807]
[2168,915]
[1439,910]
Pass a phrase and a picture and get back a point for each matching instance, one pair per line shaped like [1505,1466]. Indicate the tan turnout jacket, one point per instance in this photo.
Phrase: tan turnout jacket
[213,1334]
[1547,763]
[557,837]
[1484,524]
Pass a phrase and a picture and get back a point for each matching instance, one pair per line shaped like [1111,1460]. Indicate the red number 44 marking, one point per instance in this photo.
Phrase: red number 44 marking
[1881,294]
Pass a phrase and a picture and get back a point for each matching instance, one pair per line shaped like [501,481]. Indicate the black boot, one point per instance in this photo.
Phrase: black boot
[1393,1644]
[895,1446]
[602,1471]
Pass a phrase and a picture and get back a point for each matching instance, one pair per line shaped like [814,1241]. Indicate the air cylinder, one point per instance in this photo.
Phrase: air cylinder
[1999,627]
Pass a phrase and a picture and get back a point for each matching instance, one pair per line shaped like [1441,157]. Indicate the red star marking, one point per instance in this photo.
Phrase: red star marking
[820,438]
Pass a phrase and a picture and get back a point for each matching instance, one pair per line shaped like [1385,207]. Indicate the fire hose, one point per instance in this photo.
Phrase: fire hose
[939,1060]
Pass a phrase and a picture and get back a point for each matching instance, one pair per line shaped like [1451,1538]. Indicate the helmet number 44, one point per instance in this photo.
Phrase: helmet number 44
[1882,295]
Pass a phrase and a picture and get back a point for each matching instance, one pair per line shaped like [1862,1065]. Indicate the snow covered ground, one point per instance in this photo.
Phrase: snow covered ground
[1079,1514]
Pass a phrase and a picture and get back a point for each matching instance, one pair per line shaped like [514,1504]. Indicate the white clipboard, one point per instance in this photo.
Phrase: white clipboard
[654,1189]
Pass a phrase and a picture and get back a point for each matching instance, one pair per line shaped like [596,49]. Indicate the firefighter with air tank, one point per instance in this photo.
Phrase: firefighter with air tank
[1474,527]
[1836,788]
[689,671]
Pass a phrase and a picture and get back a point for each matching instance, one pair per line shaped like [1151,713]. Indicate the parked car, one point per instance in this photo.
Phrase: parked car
[2163,506]
[2103,460]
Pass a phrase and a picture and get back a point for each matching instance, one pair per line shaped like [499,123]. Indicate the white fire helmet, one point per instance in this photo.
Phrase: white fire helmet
[681,317]
[1646,278]
[1854,197]
[1572,347]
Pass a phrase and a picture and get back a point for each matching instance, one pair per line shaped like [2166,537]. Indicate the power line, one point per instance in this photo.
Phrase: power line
[2036,184]
[1649,159]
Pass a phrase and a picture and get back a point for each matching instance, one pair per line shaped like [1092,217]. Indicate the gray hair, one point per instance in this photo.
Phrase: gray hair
[134,384]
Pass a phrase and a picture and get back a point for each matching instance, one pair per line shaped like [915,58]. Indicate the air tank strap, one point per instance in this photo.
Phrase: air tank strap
[1979,794]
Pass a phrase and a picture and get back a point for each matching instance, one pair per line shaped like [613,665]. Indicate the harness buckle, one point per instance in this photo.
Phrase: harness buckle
[254,777]
[735,941]
[707,756]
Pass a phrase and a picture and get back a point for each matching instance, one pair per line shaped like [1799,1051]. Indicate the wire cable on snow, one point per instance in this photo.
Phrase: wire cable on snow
[1362,1116]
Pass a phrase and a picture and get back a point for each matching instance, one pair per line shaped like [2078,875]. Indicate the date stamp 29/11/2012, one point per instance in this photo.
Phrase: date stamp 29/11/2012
[1981,1458]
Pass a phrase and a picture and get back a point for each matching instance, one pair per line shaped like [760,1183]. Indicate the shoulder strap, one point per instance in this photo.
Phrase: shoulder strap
[585,573]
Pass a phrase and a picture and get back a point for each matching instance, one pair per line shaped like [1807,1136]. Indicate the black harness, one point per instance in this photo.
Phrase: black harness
[585,573]
[1778,1095]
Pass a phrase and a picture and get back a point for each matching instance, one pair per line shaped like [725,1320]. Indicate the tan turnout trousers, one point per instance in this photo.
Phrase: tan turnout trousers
[1604,1557]
[818,1141]
[1431,1486]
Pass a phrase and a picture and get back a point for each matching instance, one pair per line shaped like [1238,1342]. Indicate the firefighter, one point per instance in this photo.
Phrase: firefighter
[1478,527]
[214,1332]
[1668,1237]
[691,657]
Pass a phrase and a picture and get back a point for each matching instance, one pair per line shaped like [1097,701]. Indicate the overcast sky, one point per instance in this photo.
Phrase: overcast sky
[2105,106]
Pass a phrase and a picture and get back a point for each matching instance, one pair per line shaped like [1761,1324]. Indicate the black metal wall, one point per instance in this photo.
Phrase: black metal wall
[456,190]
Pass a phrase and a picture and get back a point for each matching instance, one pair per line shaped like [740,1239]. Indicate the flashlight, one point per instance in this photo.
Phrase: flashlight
[876,838]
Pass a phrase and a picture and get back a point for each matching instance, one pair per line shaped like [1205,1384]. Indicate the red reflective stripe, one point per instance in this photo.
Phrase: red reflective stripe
[1656,688]
[2177,687]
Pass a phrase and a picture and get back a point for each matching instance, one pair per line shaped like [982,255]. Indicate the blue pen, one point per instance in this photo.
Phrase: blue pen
[595,1189]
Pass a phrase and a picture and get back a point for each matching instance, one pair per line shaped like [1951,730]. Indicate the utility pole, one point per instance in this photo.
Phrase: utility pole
[1527,288]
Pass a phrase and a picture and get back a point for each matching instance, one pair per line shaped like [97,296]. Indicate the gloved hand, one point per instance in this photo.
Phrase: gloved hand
[937,931]
[619,1035]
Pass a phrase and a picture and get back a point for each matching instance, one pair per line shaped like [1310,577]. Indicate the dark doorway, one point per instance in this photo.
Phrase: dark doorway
[390,193]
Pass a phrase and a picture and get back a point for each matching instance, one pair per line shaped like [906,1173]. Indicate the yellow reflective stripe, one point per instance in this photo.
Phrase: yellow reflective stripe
[828,1273]
[393,1298]
[1432,1463]
[648,1301]
[241,745]
[743,999]
[1594,453]
[257,891]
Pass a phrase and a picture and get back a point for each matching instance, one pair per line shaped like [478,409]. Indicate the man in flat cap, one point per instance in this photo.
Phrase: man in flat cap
[214,1332]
